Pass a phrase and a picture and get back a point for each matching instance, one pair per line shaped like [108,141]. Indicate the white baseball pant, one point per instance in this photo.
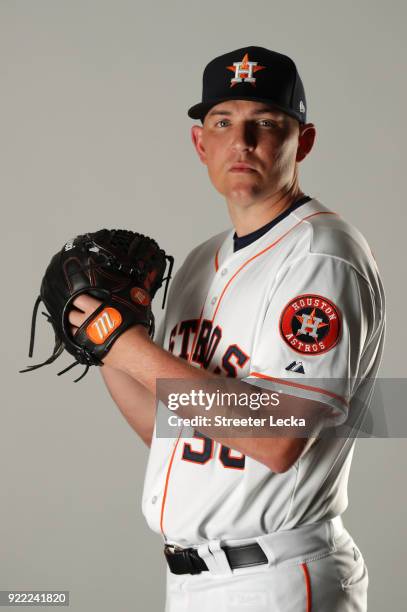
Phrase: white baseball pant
[314,568]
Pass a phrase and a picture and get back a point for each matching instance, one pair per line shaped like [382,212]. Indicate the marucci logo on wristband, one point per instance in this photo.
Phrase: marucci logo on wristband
[104,324]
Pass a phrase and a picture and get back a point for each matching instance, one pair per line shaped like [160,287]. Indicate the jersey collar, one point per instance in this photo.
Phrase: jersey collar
[239,242]
[226,251]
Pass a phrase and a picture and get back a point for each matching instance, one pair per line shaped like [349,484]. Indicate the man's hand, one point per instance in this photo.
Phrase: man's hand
[85,305]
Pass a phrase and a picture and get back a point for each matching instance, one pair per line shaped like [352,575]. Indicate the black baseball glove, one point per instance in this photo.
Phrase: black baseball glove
[123,269]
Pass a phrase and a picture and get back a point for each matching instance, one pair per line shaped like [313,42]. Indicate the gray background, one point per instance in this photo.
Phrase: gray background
[94,133]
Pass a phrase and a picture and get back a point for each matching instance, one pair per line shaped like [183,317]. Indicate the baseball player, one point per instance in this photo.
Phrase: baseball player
[291,293]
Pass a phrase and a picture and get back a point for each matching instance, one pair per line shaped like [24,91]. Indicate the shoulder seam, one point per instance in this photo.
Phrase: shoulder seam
[335,257]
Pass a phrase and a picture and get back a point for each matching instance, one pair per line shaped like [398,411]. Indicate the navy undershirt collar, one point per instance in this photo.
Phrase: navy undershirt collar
[239,242]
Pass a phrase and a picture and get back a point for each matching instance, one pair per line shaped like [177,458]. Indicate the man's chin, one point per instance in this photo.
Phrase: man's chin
[243,195]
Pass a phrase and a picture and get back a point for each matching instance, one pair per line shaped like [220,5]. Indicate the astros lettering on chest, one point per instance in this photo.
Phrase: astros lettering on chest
[214,320]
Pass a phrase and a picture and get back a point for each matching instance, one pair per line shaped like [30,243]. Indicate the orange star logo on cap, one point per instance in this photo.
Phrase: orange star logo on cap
[244,71]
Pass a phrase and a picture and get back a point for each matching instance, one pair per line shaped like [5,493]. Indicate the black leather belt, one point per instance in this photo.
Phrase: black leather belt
[187,560]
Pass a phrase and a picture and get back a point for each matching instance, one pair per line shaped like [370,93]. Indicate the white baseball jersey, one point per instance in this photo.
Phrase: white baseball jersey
[303,301]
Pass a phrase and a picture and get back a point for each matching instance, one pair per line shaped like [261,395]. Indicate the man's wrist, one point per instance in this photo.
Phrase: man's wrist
[126,347]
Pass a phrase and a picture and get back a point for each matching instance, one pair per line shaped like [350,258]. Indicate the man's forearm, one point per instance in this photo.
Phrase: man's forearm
[146,362]
[134,401]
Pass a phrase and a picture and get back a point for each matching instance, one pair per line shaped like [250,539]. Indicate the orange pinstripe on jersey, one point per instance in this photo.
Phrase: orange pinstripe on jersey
[166,483]
[307,587]
[217,260]
[167,478]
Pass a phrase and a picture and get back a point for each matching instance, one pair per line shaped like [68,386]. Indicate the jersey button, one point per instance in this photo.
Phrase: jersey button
[213,301]
[154,499]
[224,271]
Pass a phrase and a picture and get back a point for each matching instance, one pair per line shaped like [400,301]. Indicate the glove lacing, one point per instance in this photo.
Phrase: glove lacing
[58,346]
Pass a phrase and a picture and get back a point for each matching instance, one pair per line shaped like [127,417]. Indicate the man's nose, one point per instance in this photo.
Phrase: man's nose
[243,137]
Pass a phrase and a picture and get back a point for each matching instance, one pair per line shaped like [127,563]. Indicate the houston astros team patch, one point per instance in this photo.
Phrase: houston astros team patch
[310,324]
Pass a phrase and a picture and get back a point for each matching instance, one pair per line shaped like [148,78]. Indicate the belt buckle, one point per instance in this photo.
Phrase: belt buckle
[188,558]
[174,550]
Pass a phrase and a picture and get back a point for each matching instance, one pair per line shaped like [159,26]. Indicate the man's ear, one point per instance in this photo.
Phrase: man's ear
[196,136]
[306,140]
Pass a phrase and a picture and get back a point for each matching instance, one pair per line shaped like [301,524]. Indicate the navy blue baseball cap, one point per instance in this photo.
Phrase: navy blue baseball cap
[252,73]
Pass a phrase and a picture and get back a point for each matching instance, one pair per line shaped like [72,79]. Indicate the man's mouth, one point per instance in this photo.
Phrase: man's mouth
[242,167]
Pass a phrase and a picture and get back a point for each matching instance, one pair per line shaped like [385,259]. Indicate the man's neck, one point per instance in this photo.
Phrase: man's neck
[249,218]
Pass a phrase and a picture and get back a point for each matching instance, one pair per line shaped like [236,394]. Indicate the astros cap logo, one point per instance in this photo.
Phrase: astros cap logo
[244,71]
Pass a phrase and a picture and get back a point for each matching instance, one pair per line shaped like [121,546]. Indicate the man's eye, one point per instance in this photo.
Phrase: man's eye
[267,123]
[222,122]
